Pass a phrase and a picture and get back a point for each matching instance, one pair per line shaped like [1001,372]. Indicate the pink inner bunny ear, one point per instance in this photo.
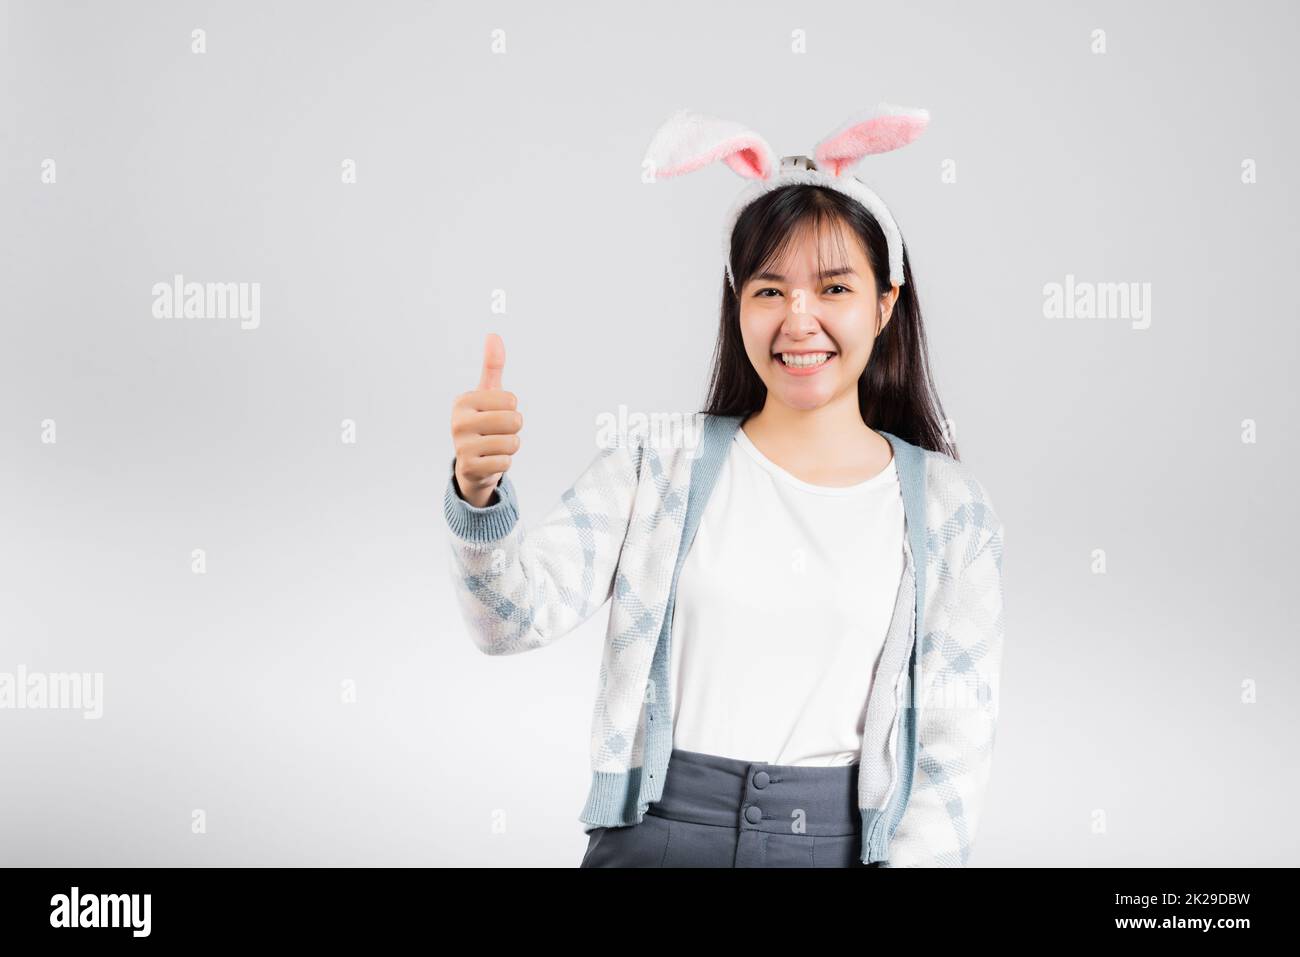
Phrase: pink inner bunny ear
[877,131]
[690,140]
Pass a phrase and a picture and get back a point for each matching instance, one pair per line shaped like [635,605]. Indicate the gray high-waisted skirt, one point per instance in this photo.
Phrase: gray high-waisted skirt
[724,812]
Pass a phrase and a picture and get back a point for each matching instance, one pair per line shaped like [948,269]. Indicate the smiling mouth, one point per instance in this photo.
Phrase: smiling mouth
[804,360]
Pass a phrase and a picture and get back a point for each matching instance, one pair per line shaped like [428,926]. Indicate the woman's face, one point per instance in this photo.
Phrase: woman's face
[790,317]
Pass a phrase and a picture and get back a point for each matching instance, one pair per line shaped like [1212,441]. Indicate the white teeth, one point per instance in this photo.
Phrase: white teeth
[803,361]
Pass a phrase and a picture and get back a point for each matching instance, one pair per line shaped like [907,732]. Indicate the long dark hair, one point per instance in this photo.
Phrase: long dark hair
[895,391]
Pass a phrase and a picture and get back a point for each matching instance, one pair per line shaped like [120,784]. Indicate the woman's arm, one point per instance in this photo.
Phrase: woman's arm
[521,589]
[958,718]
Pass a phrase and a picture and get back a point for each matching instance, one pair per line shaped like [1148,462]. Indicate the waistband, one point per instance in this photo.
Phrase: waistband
[754,795]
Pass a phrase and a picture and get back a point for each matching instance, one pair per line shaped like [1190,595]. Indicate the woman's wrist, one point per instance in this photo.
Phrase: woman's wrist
[479,498]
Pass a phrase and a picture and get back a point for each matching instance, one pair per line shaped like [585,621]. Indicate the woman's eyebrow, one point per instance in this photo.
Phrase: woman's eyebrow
[825,274]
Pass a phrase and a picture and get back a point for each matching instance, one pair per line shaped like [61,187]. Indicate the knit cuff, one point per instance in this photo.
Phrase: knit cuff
[875,837]
[474,524]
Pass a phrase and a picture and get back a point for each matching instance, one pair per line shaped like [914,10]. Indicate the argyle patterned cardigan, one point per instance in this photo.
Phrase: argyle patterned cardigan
[622,531]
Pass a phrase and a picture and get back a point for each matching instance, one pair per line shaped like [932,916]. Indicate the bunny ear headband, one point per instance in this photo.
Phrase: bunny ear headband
[688,141]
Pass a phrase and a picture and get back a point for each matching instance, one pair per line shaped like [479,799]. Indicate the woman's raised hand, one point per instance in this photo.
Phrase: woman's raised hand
[485,428]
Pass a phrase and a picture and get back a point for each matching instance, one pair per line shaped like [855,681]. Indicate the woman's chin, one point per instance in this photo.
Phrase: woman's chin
[801,399]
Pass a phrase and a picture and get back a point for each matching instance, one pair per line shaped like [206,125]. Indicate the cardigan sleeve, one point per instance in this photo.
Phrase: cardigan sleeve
[958,718]
[521,588]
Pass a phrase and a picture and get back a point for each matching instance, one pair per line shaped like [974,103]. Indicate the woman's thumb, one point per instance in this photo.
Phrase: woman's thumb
[494,360]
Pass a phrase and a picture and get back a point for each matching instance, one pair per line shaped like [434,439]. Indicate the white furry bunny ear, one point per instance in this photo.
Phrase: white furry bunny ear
[688,140]
[885,128]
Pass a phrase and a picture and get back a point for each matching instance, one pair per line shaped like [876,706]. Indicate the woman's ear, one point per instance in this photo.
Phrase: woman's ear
[887,307]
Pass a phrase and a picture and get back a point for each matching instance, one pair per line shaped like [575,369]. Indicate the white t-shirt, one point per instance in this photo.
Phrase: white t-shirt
[782,606]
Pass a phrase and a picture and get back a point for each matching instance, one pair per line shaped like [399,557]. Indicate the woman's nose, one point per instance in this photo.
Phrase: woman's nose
[798,317]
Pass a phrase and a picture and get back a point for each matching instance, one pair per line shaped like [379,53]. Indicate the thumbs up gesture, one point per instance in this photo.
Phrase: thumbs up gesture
[485,429]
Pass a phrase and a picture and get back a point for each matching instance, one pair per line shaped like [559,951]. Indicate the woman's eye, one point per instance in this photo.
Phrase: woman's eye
[762,293]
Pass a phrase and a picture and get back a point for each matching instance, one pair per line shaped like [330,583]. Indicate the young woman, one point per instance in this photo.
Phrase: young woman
[807,621]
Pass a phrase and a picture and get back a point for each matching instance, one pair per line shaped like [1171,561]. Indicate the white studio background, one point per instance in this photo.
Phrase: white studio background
[387,172]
